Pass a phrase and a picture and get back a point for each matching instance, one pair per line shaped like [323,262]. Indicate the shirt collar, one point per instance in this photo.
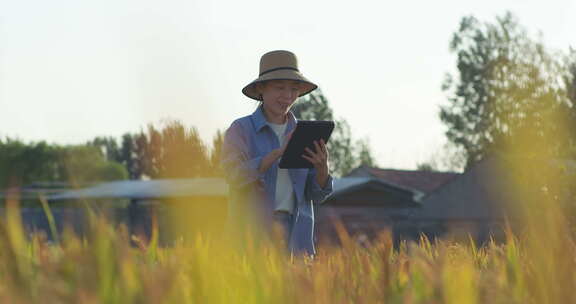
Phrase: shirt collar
[259,120]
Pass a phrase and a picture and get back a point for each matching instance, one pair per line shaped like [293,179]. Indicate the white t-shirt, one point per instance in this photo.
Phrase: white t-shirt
[285,199]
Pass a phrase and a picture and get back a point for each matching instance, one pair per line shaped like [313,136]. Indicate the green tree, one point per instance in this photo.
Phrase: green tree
[109,147]
[85,164]
[127,153]
[345,152]
[21,163]
[128,157]
[507,83]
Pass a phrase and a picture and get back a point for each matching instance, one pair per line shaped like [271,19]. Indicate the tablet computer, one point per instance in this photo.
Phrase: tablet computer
[306,132]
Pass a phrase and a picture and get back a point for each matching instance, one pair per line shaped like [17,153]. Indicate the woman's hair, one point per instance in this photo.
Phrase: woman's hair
[261,85]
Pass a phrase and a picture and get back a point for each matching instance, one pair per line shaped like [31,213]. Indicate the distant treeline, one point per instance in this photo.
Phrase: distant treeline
[169,151]
[172,151]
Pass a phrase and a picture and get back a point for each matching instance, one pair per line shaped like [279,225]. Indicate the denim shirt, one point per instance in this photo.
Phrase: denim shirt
[246,142]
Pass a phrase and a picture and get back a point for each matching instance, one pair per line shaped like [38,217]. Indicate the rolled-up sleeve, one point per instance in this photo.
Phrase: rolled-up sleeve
[239,170]
[313,191]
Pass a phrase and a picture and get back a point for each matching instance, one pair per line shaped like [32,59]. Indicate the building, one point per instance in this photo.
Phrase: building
[482,201]
[371,199]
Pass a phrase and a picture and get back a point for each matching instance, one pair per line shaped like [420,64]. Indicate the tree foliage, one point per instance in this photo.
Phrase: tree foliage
[175,152]
[24,163]
[170,150]
[84,164]
[216,154]
[507,84]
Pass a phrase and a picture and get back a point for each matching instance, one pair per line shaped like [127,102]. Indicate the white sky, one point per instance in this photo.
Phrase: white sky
[72,70]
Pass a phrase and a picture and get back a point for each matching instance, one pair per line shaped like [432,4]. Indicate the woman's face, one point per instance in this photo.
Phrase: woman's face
[279,95]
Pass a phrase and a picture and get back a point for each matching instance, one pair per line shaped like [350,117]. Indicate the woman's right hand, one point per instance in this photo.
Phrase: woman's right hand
[275,154]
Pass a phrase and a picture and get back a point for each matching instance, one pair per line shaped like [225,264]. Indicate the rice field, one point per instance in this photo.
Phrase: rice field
[103,267]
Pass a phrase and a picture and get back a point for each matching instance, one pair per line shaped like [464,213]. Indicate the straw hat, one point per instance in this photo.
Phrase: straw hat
[278,65]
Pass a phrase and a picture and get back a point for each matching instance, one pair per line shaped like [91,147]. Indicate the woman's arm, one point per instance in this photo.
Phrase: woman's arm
[239,167]
[313,191]
[319,181]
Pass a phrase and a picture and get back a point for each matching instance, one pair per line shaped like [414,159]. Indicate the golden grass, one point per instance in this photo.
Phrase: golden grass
[103,267]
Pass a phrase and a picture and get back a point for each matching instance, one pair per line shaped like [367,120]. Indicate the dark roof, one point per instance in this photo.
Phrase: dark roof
[352,189]
[424,181]
[346,185]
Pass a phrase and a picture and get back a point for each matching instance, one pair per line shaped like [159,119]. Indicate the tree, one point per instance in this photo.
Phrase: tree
[426,167]
[182,152]
[108,146]
[345,153]
[128,157]
[448,158]
[570,82]
[128,153]
[216,154]
[507,84]
[171,151]
[313,106]
[85,164]
[22,164]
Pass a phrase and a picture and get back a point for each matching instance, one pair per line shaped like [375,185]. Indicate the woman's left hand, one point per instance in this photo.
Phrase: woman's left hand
[319,159]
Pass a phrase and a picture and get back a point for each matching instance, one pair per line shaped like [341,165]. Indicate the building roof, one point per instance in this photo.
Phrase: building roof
[35,190]
[421,181]
[149,189]
[345,186]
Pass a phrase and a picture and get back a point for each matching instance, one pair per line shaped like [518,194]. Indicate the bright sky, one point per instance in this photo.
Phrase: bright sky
[72,70]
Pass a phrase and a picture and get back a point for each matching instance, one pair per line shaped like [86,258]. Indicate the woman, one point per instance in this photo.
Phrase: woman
[260,192]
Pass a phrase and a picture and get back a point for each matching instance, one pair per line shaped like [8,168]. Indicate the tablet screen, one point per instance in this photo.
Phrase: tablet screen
[306,132]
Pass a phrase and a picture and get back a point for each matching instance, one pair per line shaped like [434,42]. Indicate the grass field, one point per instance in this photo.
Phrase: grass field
[103,267]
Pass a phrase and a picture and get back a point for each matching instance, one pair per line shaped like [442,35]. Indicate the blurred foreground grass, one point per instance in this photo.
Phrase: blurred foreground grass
[102,267]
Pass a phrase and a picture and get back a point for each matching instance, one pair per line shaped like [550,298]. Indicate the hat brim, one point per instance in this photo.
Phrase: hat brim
[307,86]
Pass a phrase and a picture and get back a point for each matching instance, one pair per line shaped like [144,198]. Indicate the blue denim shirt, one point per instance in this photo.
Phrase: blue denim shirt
[246,142]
